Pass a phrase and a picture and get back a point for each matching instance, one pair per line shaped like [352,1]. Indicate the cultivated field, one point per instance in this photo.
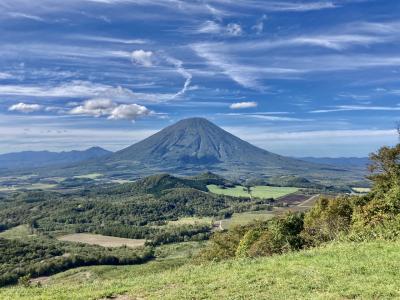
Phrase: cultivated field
[33,186]
[90,176]
[263,192]
[245,218]
[101,240]
[237,191]
[361,190]
[191,221]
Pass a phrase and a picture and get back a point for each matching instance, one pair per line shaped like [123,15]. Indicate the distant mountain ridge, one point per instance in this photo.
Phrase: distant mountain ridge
[358,162]
[189,147]
[34,159]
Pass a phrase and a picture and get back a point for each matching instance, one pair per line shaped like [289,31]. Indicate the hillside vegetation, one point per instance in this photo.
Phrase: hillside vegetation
[375,215]
[343,247]
[337,271]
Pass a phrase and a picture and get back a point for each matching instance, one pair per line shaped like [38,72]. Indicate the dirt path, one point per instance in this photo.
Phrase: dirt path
[309,202]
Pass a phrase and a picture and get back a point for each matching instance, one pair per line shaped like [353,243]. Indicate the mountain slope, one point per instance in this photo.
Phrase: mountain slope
[197,144]
[34,159]
[196,141]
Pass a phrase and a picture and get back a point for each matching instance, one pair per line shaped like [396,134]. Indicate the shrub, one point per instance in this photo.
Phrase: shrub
[327,219]
[282,235]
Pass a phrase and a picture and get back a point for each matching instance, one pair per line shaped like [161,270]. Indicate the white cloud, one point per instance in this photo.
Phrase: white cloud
[25,16]
[113,111]
[293,6]
[185,74]
[4,75]
[210,27]
[143,58]
[234,29]
[241,105]
[129,112]
[25,108]
[355,108]
[110,39]
[75,88]
[267,117]
[259,26]
[94,107]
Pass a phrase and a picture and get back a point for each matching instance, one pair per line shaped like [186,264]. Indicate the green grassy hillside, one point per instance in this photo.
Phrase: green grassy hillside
[336,271]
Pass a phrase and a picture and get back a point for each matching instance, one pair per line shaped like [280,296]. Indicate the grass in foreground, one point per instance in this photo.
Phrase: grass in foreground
[337,271]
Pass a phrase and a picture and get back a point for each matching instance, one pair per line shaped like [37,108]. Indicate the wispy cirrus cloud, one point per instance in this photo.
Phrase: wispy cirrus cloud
[266,117]
[213,27]
[26,16]
[97,38]
[356,108]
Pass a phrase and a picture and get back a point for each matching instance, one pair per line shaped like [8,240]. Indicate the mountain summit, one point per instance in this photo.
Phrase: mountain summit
[193,141]
[196,144]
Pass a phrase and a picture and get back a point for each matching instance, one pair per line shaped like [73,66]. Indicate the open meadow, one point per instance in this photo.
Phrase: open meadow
[246,218]
[102,240]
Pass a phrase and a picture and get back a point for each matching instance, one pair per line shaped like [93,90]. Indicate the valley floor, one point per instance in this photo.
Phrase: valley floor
[336,271]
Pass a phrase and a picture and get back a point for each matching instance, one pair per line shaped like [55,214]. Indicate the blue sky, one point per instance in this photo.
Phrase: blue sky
[299,78]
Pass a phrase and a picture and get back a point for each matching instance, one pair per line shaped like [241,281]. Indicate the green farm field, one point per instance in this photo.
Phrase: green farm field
[263,192]
[237,191]
[266,192]
[246,218]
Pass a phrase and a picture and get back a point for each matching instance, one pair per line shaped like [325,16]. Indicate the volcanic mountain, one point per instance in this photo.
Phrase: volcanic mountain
[194,145]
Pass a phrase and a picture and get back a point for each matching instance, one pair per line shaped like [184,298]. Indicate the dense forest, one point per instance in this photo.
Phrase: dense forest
[21,259]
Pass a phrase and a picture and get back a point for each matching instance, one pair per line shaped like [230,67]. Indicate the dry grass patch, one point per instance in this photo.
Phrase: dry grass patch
[101,240]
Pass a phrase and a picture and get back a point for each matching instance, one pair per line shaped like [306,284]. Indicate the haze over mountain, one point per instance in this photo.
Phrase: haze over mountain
[34,159]
[344,162]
